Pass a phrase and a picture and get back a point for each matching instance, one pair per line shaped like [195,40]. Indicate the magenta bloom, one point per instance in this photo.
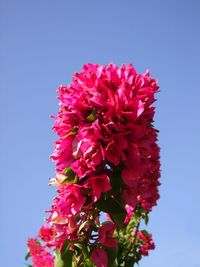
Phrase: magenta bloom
[62,155]
[45,233]
[99,257]
[106,235]
[40,256]
[147,243]
[106,117]
[99,184]
[69,201]
[130,213]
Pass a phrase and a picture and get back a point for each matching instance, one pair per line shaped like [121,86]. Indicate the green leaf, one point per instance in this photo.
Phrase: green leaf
[130,262]
[145,233]
[83,249]
[114,209]
[27,255]
[115,263]
[88,263]
[131,224]
[92,116]
[67,258]
[116,183]
[110,205]
[71,177]
[146,218]
[58,261]
[112,256]
[72,132]
[118,219]
[64,259]
[144,215]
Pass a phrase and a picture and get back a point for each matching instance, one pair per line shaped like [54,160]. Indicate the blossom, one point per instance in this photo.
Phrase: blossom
[99,257]
[64,229]
[99,184]
[45,233]
[147,242]
[87,151]
[130,213]
[129,195]
[40,256]
[69,200]
[62,155]
[106,117]
[106,235]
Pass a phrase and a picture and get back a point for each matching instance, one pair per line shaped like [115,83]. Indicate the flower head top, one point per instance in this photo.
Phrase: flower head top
[105,119]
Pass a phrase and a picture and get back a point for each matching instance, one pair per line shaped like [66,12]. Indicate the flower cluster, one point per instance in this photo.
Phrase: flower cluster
[106,157]
[147,243]
[40,256]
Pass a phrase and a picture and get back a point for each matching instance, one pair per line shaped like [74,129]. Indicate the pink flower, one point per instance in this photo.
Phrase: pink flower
[147,242]
[114,151]
[129,195]
[111,109]
[62,155]
[61,229]
[40,256]
[87,151]
[99,184]
[106,235]
[80,167]
[89,156]
[45,233]
[64,231]
[130,213]
[69,200]
[99,257]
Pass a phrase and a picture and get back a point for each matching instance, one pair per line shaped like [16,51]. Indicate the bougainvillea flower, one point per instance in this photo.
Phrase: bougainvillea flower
[62,155]
[130,213]
[45,233]
[129,195]
[106,235]
[105,117]
[147,242]
[99,257]
[69,200]
[40,256]
[99,184]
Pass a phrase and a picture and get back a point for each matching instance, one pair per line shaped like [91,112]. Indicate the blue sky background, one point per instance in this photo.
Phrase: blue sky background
[42,44]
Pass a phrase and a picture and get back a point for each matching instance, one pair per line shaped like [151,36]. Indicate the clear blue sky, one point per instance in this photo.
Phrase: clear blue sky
[42,43]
